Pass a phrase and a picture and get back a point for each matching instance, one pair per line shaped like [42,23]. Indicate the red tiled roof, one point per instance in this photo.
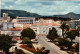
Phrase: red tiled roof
[71,29]
[16,39]
[14,29]
[47,24]
[78,25]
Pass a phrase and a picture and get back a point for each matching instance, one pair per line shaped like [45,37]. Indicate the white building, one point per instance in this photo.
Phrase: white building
[44,30]
[13,32]
[72,24]
[5,18]
[18,26]
[6,25]
[5,14]
[25,20]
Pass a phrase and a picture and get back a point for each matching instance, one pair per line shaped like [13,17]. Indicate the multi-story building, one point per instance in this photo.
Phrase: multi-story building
[7,25]
[25,20]
[13,32]
[78,28]
[5,14]
[72,24]
[5,18]
[43,29]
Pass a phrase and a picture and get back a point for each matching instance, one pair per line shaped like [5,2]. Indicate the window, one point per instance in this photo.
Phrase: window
[49,28]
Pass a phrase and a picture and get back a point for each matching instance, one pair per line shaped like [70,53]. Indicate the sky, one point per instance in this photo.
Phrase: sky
[42,7]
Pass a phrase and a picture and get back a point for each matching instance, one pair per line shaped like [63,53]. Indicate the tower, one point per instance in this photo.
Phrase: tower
[5,14]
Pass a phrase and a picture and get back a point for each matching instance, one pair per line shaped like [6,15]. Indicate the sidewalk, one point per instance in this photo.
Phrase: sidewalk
[36,45]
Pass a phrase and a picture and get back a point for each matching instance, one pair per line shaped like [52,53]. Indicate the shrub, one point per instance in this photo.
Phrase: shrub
[28,48]
[23,46]
[13,41]
[19,51]
[77,47]
[42,51]
[29,45]
[64,42]
[46,52]
[26,40]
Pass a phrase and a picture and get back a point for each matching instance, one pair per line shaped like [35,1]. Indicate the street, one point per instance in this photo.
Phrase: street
[50,46]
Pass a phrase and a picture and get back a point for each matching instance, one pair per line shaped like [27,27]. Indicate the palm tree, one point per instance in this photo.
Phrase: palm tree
[64,27]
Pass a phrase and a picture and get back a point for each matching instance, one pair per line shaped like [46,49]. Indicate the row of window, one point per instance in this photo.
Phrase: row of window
[25,20]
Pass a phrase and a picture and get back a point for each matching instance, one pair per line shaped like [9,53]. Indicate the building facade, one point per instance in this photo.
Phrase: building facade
[25,20]
[72,24]
[5,18]
[13,32]
[44,30]
[7,25]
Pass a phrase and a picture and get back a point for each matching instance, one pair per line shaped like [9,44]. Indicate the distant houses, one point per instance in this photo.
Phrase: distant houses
[40,26]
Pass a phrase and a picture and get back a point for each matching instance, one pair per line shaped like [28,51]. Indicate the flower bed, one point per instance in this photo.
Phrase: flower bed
[27,48]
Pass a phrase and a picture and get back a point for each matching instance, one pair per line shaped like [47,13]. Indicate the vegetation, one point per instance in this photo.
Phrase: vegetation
[65,43]
[77,47]
[5,41]
[28,48]
[52,34]
[19,51]
[37,51]
[72,34]
[64,27]
[42,51]
[21,13]
[13,41]
[27,41]
[28,32]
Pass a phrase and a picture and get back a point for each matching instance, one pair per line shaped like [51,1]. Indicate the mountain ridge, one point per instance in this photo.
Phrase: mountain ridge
[22,13]
[69,15]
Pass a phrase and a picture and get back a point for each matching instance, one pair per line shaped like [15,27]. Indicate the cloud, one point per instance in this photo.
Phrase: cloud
[2,3]
[7,0]
[10,6]
[43,7]
[6,7]
[20,2]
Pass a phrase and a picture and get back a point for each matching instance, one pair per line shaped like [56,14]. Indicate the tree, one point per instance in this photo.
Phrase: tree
[77,47]
[64,42]
[27,41]
[5,41]
[19,51]
[72,34]
[64,27]
[28,32]
[52,34]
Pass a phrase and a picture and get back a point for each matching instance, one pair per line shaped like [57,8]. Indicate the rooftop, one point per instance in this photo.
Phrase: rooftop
[14,29]
[78,25]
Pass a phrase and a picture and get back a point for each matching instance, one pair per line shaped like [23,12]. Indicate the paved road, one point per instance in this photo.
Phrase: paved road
[52,47]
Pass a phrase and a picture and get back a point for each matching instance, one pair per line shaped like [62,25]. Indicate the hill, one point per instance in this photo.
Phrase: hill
[21,13]
[69,15]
